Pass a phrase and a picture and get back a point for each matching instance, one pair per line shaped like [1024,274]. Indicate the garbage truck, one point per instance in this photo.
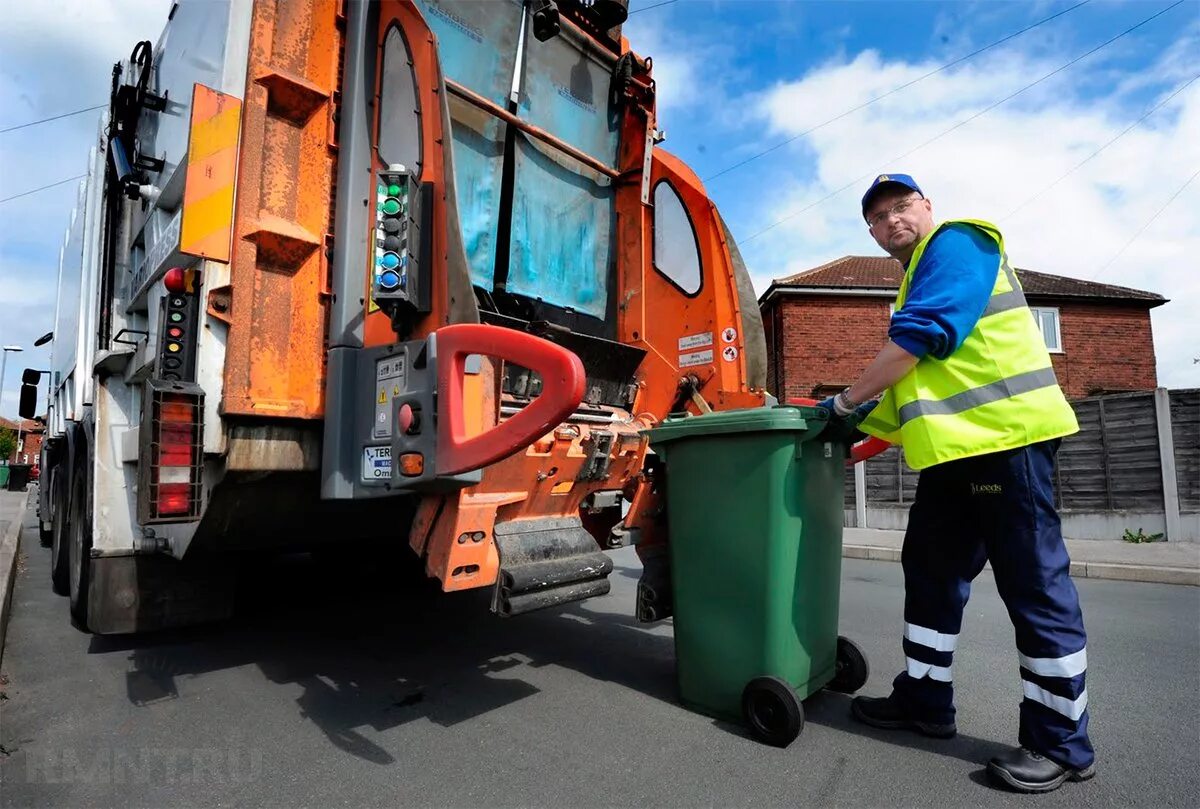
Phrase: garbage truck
[411,272]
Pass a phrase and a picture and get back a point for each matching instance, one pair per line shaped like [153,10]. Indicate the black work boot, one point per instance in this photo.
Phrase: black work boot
[1027,771]
[888,713]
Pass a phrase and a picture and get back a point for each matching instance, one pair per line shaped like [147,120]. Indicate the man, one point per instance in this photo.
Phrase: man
[970,394]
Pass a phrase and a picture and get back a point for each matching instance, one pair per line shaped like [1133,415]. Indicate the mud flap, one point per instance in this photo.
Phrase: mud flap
[129,594]
[546,563]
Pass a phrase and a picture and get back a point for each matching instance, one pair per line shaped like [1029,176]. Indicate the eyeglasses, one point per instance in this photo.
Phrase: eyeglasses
[898,209]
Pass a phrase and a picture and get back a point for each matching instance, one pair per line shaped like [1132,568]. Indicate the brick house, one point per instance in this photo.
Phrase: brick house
[30,436]
[825,324]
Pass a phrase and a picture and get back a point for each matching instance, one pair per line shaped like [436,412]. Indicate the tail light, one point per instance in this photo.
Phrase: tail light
[172,453]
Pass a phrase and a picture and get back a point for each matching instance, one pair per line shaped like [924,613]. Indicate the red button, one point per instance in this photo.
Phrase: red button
[407,419]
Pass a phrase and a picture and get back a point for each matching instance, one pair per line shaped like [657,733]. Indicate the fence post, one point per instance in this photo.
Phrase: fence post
[1166,459]
[860,494]
[1108,498]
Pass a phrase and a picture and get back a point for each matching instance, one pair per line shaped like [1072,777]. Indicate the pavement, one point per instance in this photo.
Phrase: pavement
[356,687]
[1158,562]
[12,509]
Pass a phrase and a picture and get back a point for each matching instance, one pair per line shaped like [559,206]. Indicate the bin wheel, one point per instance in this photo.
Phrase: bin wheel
[772,710]
[852,668]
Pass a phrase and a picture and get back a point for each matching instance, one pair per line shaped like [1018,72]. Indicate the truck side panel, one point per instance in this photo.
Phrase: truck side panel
[278,292]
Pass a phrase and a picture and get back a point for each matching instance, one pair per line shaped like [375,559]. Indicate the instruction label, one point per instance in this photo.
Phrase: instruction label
[389,381]
[695,358]
[692,341]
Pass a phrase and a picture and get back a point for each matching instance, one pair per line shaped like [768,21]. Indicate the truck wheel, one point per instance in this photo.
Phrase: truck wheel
[852,668]
[80,551]
[60,579]
[772,711]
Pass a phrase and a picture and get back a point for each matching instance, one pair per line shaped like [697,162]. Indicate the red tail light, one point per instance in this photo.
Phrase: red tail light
[172,459]
[173,498]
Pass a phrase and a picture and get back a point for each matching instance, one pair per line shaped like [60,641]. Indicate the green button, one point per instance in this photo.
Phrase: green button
[380,190]
[391,207]
[393,190]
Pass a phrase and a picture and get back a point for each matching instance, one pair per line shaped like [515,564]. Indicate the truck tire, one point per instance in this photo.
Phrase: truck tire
[60,579]
[80,550]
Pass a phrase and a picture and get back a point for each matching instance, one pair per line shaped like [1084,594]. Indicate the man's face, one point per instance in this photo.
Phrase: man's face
[898,219]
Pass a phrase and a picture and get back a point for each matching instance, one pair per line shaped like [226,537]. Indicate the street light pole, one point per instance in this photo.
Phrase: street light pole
[3,368]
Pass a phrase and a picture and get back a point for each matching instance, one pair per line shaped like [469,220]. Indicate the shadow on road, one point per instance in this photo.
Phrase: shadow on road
[833,710]
[373,648]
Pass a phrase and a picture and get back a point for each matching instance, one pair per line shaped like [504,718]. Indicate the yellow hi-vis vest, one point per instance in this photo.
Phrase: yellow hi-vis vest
[997,391]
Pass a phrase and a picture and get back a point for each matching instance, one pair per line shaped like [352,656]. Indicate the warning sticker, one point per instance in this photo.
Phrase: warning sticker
[695,358]
[377,463]
[730,353]
[695,341]
[729,334]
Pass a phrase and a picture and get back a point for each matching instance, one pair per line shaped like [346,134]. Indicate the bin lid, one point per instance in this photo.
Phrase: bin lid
[751,420]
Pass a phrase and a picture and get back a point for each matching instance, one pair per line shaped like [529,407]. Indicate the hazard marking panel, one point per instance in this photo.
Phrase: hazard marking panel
[211,171]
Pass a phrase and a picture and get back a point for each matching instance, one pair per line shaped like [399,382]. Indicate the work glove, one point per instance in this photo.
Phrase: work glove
[843,425]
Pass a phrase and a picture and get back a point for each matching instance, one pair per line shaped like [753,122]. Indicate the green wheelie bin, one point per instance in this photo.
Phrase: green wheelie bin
[754,503]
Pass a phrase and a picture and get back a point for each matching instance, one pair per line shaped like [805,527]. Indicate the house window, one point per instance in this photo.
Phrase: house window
[676,249]
[1047,322]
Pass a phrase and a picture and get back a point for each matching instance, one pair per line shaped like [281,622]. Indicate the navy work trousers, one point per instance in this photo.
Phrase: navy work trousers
[999,508]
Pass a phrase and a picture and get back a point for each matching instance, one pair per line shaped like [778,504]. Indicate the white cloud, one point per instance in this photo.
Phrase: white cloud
[678,69]
[988,167]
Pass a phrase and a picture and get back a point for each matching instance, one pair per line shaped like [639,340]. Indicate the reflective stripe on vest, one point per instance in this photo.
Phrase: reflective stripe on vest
[997,391]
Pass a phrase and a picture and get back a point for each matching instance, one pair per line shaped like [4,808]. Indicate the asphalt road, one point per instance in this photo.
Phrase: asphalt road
[320,695]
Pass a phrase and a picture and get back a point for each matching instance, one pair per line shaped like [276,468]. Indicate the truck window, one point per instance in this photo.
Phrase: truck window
[676,249]
[399,128]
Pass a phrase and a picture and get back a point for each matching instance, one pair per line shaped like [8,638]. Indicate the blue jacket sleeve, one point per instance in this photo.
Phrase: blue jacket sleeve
[949,290]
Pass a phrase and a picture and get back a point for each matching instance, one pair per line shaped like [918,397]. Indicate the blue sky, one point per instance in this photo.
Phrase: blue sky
[738,76]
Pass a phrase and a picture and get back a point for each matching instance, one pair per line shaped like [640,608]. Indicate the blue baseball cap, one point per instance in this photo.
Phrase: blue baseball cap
[887,180]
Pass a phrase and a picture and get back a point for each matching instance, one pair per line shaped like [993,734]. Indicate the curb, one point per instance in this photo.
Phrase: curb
[10,546]
[1156,574]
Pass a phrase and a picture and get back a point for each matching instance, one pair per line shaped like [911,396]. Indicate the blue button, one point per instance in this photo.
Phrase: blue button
[390,261]
[389,279]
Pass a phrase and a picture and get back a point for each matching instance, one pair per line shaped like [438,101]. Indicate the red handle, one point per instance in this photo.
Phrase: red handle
[869,448]
[563,380]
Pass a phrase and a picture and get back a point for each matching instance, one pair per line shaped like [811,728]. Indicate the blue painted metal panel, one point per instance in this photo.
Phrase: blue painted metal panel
[477,43]
[562,231]
[562,248]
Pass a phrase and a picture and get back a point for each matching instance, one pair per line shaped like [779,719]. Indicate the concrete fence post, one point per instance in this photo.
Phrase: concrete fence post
[1166,457]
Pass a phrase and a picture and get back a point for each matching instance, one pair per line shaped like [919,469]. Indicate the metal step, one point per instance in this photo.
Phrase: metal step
[545,563]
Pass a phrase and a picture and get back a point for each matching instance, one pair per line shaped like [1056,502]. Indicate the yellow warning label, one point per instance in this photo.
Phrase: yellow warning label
[372,306]
[383,396]
[395,390]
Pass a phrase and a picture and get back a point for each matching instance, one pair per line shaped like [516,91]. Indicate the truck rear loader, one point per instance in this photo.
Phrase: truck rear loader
[406,272]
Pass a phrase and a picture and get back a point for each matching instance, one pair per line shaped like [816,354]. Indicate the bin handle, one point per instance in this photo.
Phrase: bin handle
[869,448]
